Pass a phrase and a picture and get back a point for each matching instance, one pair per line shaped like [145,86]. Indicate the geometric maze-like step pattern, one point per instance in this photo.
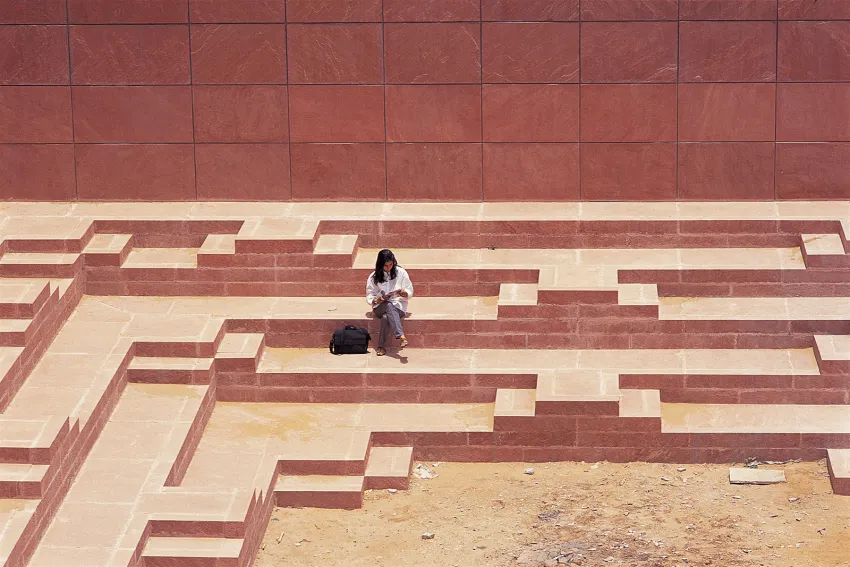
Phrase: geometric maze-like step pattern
[165,380]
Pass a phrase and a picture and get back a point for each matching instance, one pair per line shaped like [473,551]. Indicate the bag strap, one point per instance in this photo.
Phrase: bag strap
[331,347]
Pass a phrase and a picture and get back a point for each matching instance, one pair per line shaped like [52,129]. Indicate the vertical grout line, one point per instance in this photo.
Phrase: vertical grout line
[71,98]
[481,89]
[678,79]
[776,107]
[384,81]
[578,134]
[192,93]
[291,196]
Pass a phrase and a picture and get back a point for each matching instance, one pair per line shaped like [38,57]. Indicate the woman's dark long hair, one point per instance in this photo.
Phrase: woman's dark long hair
[384,256]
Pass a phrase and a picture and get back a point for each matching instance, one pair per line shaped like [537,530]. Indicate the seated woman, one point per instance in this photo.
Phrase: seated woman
[387,291]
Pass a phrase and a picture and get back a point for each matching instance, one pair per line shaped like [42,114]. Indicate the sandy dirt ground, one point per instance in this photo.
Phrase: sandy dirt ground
[634,514]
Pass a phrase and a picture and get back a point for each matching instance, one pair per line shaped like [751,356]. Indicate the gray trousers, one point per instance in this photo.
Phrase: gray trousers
[390,316]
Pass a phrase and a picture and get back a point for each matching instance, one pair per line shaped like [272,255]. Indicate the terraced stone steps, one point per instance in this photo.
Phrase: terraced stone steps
[535,338]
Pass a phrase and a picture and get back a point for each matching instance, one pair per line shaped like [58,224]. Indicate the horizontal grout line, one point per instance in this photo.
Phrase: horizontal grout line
[415,22]
[484,84]
[477,143]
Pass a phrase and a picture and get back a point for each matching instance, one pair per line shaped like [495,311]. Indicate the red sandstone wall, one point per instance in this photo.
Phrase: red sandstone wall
[424,99]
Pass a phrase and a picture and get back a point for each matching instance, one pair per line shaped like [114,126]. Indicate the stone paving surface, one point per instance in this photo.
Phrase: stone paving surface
[165,379]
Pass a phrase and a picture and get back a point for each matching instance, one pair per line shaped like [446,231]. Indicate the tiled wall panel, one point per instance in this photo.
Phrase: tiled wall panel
[466,100]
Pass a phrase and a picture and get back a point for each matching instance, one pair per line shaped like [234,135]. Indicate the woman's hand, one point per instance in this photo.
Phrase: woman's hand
[403,293]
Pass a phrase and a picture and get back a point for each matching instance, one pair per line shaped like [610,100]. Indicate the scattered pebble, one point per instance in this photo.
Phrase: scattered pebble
[681,469]
[793,499]
[529,470]
[665,478]
[427,535]
[392,490]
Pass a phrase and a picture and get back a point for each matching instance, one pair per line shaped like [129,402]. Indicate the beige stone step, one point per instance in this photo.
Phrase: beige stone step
[193,548]
[240,351]
[426,308]
[40,265]
[637,294]
[281,235]
[577,392]
[18,435]
[625,361]
[216,249]
[338,244]
[713,210]
[517,294]
[389,467]
[162,258]
[577,385]
[754,418]
[640,403]
[21,480]
[515,403]
[592,269]
[14,332]
[838,462]
[823,244]
[218,244]
[833,347]
[755,308]
[22,297]
[317,491]
[108,249]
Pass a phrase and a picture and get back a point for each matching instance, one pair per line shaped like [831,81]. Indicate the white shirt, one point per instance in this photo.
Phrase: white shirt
[401,281]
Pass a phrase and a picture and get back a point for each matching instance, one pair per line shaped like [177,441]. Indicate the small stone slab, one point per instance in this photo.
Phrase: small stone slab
[756,476]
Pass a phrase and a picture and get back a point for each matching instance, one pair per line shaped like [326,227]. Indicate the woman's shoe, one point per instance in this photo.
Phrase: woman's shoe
[403,343]
[380,351]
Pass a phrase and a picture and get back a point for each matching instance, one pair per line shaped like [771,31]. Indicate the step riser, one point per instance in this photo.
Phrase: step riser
[20,489]
[813,289]
[149,376]
[331,500]
[388,482]
[469,340]
[355,395]
[613,454]
[182,561]
[304,467]
[41,270]
[728,389]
